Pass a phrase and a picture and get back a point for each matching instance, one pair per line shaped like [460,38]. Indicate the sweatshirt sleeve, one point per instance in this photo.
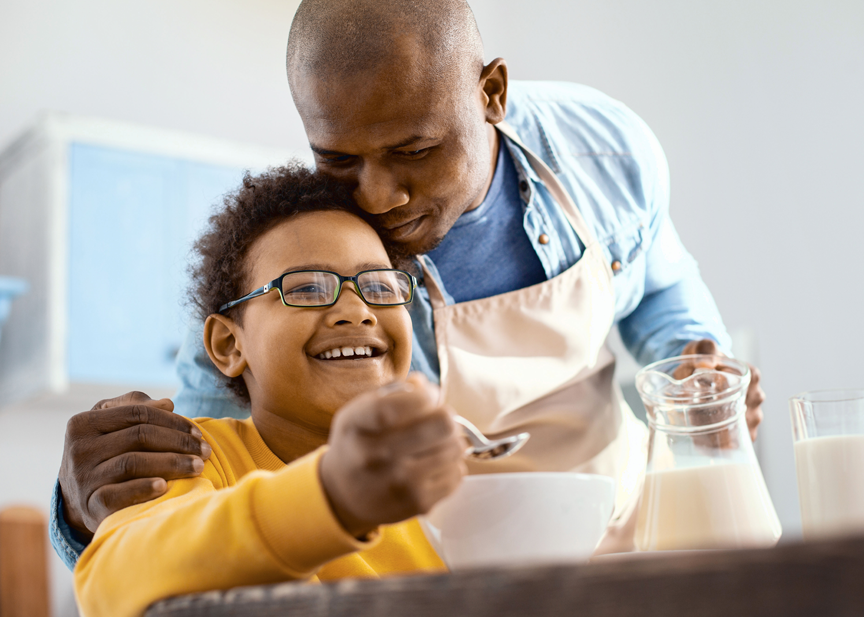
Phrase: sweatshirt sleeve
[269,527]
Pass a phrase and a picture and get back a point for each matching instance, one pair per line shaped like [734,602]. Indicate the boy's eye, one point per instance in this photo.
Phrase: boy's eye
[307,289]
[308,294]
[378,292]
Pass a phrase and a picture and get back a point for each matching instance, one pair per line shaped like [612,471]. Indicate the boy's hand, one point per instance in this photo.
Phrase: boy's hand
[394,453]
[121,453]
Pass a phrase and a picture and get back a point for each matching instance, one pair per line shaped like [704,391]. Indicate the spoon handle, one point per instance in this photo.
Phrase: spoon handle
[477,439]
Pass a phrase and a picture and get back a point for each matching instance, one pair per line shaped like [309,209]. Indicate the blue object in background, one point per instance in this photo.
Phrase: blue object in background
[10,288]
[132,220]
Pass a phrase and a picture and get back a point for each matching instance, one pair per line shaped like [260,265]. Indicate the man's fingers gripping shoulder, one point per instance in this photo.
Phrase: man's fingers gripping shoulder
[110,498]
[111,419]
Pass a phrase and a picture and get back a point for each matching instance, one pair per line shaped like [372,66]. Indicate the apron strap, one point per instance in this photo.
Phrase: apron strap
[436,296]
[553,184]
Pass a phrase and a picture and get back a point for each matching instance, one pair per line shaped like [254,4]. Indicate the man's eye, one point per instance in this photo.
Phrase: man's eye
[412,153]
[339,159]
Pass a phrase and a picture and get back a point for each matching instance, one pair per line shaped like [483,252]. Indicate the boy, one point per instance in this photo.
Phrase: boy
[293,492]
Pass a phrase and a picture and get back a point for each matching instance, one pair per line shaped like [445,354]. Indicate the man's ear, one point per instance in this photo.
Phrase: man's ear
[221,340]
[493,81]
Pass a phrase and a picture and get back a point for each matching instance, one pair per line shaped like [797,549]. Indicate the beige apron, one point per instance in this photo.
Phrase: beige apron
[536,360]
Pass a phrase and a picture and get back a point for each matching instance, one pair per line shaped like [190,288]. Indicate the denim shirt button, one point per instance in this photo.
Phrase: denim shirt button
[543,239]
[616,265]
[523,186]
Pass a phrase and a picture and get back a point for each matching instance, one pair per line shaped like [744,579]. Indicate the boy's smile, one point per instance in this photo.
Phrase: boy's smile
[302,364]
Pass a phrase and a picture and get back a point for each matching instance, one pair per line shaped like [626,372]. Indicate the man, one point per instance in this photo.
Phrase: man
[537,235]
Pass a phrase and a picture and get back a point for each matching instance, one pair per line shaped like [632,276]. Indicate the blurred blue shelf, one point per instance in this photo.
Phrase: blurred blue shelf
[10,288]
[132,220]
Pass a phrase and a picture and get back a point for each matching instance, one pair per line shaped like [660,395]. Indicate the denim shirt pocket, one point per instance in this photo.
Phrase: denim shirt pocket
[625,246]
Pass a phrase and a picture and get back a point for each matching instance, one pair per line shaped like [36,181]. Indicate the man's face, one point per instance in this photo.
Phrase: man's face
[417,151]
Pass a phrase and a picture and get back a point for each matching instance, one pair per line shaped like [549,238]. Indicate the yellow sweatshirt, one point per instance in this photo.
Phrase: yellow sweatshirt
[249,519]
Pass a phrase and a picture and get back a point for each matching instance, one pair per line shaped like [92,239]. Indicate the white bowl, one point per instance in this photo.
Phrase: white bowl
[520,519]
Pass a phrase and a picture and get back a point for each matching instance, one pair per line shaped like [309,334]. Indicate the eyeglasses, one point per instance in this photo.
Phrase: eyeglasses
[317,288]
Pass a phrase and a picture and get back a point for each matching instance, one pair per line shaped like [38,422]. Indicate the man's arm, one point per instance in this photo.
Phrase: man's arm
[676,307]
[676,314]
[92,452]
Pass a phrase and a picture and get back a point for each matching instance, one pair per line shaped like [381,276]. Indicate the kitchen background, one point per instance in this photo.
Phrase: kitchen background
[122,123]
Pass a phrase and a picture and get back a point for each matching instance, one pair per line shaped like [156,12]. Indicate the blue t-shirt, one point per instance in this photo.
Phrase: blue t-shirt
[469,258]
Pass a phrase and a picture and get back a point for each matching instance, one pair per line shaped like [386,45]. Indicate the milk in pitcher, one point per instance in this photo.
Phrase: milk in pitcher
[722,505]
[831,485]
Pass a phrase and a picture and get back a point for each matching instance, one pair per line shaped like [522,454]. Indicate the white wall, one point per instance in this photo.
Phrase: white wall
[757,103]
[215,67]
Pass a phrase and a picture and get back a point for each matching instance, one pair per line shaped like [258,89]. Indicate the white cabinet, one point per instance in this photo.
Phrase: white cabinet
[99,218]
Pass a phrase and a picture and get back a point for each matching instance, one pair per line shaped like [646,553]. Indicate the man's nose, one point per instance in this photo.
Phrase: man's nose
[350,308]
[379,190]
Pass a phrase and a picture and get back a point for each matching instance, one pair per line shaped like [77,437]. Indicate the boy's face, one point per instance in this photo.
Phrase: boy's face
[281,346]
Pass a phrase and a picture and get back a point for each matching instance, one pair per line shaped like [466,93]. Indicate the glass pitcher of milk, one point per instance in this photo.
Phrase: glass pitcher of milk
[703,485]
[828,427]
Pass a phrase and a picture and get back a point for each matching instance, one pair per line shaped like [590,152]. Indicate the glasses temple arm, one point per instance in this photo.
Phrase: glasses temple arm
[253,294]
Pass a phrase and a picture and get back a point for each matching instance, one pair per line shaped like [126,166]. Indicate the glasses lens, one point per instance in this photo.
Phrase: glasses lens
[385,287]
[309,288]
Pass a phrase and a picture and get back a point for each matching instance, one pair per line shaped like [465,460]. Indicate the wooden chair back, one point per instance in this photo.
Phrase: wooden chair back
[23,563]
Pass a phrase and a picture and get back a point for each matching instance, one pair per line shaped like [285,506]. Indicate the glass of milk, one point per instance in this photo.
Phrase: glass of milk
[828,428]
[703,485]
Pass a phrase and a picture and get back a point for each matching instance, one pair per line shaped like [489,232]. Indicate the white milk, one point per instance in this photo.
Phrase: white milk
[710,506]
[831,485]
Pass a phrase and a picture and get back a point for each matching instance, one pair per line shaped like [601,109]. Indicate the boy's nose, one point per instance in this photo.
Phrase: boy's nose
[350,308]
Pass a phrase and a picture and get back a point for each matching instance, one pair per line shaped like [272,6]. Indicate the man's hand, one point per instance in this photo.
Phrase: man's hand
[755,393]
[121,453]
[394,453]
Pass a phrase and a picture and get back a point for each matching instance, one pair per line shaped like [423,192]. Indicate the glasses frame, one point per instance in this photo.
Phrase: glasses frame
[277,285]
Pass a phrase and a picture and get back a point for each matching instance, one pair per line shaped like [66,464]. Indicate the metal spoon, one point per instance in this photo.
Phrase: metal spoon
[483,449]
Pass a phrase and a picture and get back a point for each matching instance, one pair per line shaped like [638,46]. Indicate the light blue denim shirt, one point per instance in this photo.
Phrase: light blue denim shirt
[616,172]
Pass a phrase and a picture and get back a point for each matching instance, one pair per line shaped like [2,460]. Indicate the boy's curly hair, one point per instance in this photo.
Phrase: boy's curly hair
[220,273]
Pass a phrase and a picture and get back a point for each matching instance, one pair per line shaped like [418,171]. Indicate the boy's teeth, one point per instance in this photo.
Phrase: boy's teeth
[346,352]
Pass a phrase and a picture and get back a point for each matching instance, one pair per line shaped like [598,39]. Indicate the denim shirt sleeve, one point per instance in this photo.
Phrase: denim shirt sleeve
[66,541]
[202,392]
[676,306]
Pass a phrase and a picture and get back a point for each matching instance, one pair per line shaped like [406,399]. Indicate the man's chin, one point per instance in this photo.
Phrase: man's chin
[407,249]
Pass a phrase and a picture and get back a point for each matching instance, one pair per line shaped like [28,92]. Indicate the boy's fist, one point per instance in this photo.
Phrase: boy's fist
[394,453]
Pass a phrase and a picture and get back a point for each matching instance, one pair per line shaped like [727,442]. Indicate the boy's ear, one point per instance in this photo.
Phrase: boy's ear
[221,342]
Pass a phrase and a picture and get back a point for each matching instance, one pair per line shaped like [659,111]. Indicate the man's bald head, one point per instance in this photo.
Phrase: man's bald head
[335,39]
[397,104]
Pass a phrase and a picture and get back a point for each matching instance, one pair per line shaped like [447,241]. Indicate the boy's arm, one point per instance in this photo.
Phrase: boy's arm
[269,527]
